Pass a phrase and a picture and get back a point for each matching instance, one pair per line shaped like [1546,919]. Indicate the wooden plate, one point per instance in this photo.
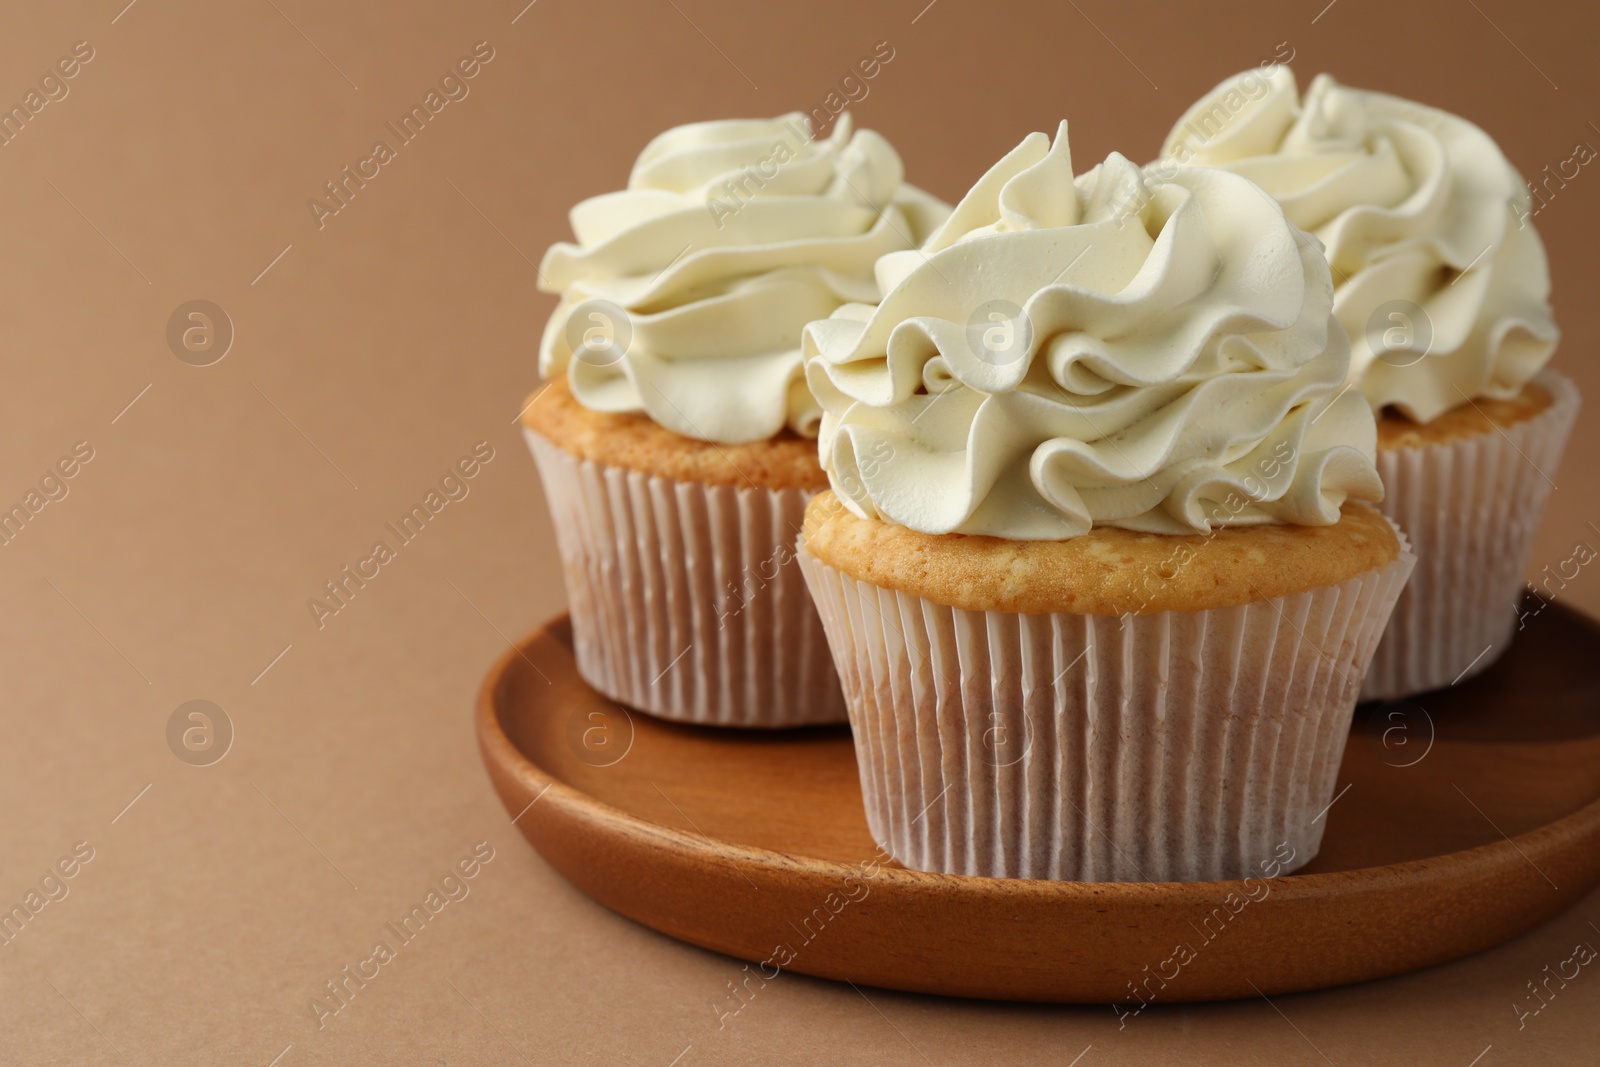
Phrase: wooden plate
[1465,818]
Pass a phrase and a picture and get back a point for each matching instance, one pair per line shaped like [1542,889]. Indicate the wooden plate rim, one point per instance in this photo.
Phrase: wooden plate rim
[1450,866]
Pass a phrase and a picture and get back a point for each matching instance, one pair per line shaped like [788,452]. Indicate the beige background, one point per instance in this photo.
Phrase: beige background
[377,350]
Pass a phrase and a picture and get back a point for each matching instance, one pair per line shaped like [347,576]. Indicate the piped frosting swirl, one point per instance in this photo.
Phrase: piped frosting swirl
[685,293]
[1440,279]
[1117,349]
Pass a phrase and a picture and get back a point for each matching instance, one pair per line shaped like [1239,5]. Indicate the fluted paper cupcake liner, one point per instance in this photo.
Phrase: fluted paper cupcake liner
[686,600]
[1471,508]
[1182,746]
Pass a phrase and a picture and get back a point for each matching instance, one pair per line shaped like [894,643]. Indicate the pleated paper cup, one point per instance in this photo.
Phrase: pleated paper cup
[1470,508]
[1179,746]
[686,599]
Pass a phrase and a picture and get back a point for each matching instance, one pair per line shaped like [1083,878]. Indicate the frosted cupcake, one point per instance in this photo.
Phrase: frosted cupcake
[1094,567]
[1441,282]
[675,437]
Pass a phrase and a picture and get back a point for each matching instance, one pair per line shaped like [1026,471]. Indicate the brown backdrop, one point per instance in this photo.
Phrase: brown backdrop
[368,354]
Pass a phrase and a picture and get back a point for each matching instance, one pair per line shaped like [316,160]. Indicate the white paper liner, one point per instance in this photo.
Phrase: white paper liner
[686,600]
[1471,508]
[1181,746]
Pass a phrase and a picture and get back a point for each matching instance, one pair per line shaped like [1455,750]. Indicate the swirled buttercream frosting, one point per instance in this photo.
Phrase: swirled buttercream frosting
[1121,348]
[1439,277]
[685,293]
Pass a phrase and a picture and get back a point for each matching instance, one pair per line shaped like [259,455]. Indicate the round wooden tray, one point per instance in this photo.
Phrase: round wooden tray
[1462,819]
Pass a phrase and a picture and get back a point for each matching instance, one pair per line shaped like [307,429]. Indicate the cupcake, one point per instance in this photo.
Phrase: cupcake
[1095,565]
[1441,282]
[675,437]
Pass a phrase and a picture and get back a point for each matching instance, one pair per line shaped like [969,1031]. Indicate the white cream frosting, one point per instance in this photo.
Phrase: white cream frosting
[1180,369]
[730,237]
[1418,209]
